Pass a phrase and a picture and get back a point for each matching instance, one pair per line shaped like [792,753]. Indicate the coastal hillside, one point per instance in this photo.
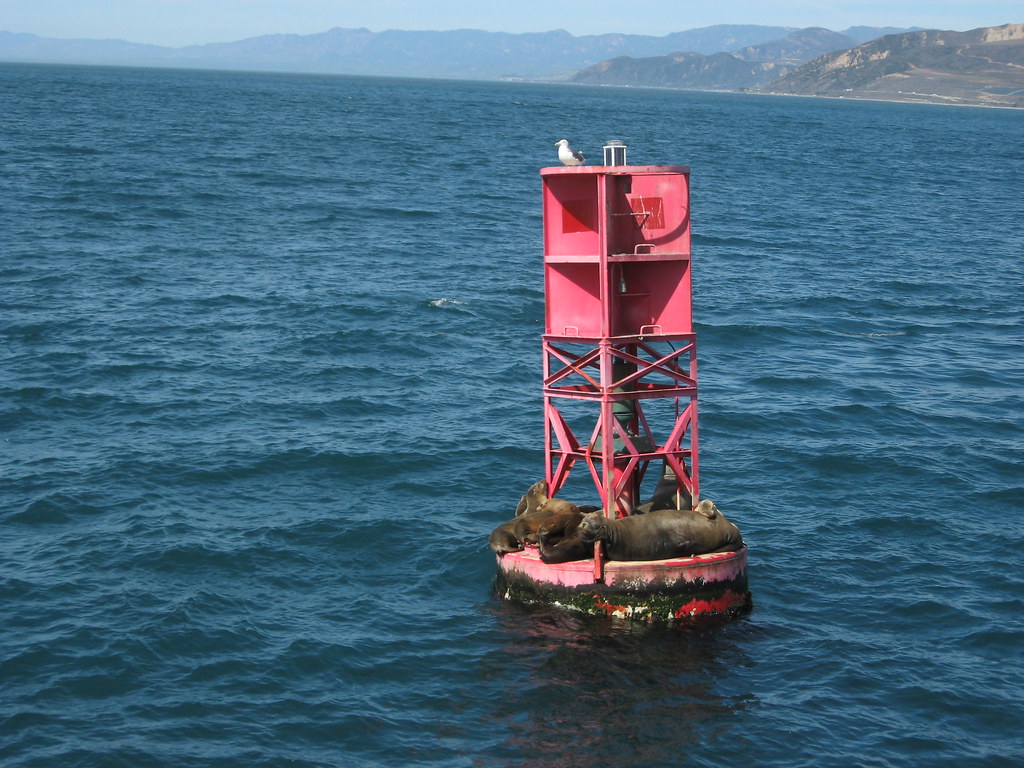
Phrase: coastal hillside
[981,67]
[717,72]
[746,67]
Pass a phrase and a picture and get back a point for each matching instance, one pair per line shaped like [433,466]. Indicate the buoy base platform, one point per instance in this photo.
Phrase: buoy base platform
[702,585]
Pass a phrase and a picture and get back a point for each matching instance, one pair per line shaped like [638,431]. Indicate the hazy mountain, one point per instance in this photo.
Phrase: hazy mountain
[747,67]
[983,66]
[864,34]
[32,48]
[461,53]
[797,47]
[719,71]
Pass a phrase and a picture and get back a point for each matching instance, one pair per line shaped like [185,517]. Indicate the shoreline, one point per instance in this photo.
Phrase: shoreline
[936,100]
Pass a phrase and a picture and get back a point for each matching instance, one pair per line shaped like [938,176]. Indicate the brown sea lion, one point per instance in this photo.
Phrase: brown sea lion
[525,526]
[662,534]
[503,540]
[534,508]
[559,542]
[533,498]
[668,494]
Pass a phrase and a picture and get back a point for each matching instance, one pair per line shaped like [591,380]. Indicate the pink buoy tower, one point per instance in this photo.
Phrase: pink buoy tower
[620,385]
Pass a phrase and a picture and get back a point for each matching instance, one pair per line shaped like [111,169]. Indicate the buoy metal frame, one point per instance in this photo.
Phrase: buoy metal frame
[622,442]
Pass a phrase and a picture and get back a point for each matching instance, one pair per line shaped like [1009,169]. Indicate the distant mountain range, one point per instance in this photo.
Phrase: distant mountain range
[983,66]
[747,67]
[464,53]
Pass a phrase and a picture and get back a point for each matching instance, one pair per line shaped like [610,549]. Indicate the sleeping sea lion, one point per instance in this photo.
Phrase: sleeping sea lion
[662,534]
[559,542]
[525,526]
[534,508]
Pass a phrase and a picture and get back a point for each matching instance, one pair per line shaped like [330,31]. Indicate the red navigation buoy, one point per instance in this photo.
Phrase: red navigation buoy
[620,385]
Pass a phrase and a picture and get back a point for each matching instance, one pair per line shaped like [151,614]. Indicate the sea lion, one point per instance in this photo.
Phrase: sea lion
[559,542]
[662,534]
[533,498]
[668,494]
[524,527]
[514,534]
[503,540]
[533,509]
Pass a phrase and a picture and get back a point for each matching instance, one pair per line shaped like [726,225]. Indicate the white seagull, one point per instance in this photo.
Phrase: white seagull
[568,155]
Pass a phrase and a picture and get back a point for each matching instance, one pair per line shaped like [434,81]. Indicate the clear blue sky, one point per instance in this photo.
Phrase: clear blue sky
[185,22]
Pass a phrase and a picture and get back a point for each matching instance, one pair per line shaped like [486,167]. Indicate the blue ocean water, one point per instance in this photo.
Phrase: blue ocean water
[269,374]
